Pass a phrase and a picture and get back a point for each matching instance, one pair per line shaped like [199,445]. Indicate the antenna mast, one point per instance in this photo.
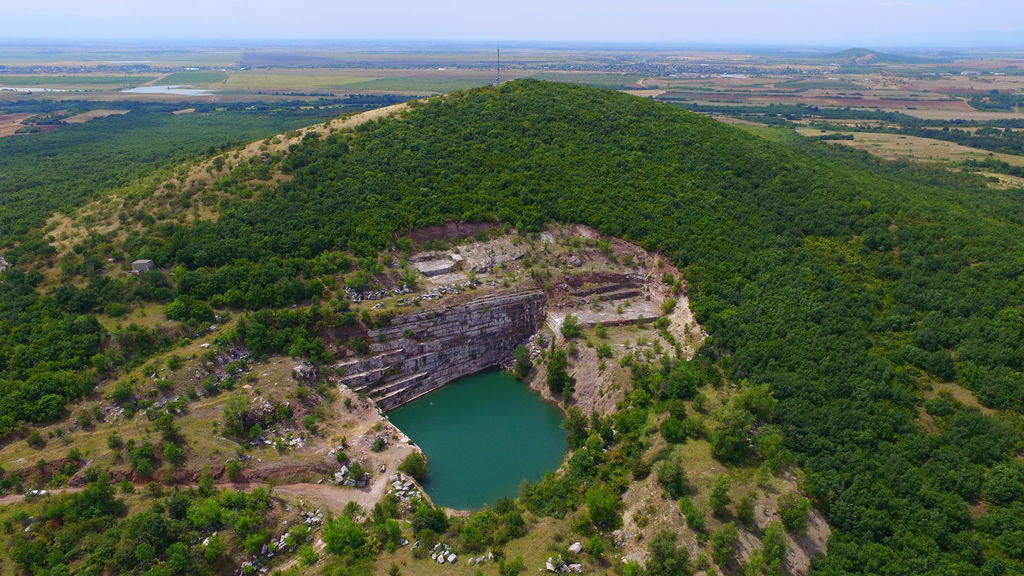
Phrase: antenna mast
[498,80]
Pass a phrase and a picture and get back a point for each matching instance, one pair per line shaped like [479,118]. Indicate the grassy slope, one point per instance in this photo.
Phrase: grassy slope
[44,172]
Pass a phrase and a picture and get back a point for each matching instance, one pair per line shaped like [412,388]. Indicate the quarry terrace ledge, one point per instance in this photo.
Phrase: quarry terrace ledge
[421,352]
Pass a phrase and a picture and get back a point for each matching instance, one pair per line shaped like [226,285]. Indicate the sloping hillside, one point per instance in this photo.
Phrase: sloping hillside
[847,287]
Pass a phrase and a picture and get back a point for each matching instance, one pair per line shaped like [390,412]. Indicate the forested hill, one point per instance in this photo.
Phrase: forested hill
[844,285]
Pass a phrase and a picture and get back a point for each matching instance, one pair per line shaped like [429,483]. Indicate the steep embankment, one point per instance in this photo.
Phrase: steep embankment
[843,284]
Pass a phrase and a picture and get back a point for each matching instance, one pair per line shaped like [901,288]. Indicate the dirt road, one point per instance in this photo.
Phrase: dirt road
[324,496]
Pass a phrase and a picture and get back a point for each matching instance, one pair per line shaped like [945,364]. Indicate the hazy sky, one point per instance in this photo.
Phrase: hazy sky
[780,22]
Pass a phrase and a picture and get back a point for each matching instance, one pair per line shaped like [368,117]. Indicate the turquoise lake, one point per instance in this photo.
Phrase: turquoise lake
[482,434]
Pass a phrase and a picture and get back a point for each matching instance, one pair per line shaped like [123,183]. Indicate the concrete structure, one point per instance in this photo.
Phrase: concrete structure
[421,352]
[141,266]
[433,267]
[4,265]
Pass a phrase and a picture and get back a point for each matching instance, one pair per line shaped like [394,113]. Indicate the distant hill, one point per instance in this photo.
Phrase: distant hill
[836,281]
[867,57]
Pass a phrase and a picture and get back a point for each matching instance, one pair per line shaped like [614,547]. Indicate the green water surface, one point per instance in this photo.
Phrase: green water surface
[482,434]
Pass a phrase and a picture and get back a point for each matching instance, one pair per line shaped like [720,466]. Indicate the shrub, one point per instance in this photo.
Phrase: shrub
[513,567]
[696,518]
[83,418]
[668,306]
[35,440]
[123,392]
[745,509]
[673,430]
[307,556]
[571,327]
[233,468]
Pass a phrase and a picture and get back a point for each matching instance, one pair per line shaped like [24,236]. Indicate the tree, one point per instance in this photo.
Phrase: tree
[773,542]
[558,379]
[672,476]
[174,455]
[169,431]
[190,310]
[49,408]
[98,499]
[603,508]
[523,364]
[683,380]
[427,517]
[745,509]
[719,497]
[415,465]
[730,442]
[1005,483]
[666,558]
[576,425]
[723,544]
[342,536]
[793,510]
[673,430]
[236,410]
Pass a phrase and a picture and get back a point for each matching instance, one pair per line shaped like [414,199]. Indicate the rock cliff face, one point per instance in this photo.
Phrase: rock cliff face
[423,351]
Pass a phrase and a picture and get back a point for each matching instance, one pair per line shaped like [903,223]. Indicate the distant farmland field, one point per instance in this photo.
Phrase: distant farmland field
[194,78]
[613,81]
[357,80]
[295,79]
[73,81]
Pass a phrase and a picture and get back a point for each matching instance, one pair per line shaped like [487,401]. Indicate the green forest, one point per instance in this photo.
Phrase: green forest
[841,284]
[41,173]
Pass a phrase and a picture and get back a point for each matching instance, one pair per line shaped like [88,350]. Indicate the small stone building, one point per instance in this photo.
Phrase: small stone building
[142,266]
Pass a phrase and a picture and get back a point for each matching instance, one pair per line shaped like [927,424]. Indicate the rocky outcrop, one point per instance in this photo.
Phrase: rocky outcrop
[420,352]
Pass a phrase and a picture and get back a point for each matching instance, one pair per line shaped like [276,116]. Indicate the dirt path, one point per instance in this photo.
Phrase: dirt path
[327,497]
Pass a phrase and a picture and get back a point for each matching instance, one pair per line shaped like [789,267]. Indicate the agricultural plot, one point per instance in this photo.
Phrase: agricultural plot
[198,78]
[84,82]
[901,147]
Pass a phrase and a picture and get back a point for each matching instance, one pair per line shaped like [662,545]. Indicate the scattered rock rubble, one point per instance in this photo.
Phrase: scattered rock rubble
[442,554]
[343,477]
[404,489]
[438,292]
[375,294]
[261,560]
[561,566]
[480,559]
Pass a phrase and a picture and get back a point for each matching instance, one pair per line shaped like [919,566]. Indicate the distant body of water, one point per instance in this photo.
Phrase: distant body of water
[175,90]
[482,434]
